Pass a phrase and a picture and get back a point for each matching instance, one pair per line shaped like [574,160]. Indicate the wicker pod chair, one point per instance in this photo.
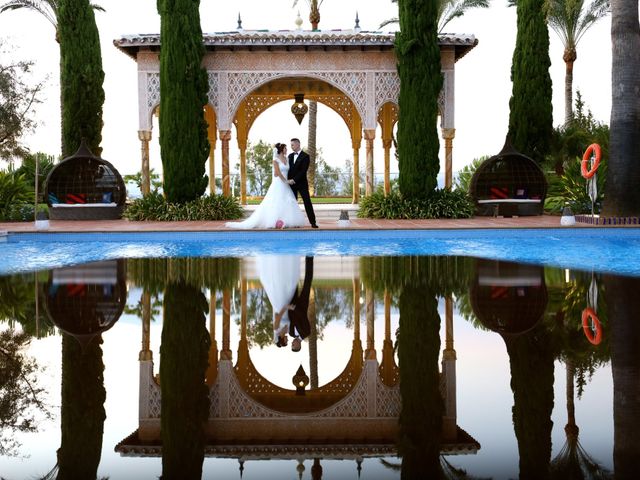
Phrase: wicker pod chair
[86,300]
[508,184]
[508,298]
[85,187]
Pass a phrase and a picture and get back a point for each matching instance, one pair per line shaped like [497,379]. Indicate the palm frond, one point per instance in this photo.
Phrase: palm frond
[389,21]
[47,8]
[450,9]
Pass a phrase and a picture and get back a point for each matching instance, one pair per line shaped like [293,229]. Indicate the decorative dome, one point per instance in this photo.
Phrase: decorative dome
[87,300]
[508,298]
[89,183]
[509,183]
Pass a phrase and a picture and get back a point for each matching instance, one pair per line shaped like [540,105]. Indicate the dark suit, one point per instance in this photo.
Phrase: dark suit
[298,173]
[299,317]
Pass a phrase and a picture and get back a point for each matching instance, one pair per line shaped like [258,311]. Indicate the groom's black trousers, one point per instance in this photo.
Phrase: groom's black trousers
[306,199]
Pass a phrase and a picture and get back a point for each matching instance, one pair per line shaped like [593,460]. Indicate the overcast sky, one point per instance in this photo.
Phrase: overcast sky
[483,85]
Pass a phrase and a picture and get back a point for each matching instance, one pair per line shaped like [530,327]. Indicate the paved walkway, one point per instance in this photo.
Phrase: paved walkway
[545,221]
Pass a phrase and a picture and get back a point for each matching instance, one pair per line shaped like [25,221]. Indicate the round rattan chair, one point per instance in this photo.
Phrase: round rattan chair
[85,187]
[508,298]
[508,184]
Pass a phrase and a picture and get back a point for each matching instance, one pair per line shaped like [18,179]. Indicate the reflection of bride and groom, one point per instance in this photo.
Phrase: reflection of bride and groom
[279,207]
[279,276]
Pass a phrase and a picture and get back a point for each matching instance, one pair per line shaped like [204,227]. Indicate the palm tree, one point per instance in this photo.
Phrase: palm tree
[314,12]
[447,11]
[571,19]
[623,175]
[47,8]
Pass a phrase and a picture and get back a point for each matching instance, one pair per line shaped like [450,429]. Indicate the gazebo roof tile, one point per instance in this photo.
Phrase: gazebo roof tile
[248,39]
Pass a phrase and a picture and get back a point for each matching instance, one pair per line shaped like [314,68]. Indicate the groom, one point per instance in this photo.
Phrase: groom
[297,176]
[299,327]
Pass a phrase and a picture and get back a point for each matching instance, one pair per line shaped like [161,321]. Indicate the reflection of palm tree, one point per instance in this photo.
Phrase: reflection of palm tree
[447,11]
[573,461]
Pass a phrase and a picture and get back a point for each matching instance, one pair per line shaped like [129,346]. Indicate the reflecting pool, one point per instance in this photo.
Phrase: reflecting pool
[291,366]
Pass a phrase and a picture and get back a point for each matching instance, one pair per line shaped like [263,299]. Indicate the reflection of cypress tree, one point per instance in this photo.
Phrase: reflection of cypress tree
[183,363]
[422,406]
[624,312]
[82,411]
[531,358]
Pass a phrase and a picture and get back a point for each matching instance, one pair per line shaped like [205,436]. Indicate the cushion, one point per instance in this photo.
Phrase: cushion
[107,197]
[498,192]
[74,198]
[53,199]
[520,192]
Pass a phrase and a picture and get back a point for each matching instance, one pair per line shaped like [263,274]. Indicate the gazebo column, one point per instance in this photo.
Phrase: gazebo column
[370,353]
[145,138]
[356,141]
[449,372]
[226,326]
[145,352]
[225,136]
[387,165]
[448,134]
[212,136]
[356,309]
[243,134]
[369,136]
[386,122]
[212,370]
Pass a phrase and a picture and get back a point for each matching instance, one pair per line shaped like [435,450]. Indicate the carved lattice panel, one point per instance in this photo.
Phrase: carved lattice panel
[214,401]
[155,399]
[254,105]
[244,406]
[242,83]
[354,405]
[387,88]
[212,79]
[353,84]
[340,104]
[153,90]
[388,401]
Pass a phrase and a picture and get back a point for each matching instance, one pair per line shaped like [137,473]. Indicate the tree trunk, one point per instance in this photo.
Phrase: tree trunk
[622,196]
[623,313]
[569,58]
[311,146]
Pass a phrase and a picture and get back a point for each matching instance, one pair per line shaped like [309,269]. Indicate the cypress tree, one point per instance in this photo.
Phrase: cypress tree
[420,83]
[531,112]
[183,94]
[184,356]
[81,76]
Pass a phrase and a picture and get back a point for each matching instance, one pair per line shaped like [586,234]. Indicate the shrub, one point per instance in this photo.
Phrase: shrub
[571,188]
[14,191]
[439,204]
[464,176]
[155,207]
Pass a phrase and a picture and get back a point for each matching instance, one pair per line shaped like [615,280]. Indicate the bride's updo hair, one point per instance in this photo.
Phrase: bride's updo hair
[280,147]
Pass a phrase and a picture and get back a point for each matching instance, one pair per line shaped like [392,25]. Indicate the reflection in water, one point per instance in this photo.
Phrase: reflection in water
[213,396]
[624,313]
[511,299]
[183,363]
[84,302]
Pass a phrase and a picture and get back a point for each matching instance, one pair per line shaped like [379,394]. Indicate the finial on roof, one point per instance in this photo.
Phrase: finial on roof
[299,21]
[359,463]
[239,27]
[241,462]
[357,26]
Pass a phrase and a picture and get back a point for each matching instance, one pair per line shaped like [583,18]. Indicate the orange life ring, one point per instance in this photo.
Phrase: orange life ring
[584,166]
[588,332]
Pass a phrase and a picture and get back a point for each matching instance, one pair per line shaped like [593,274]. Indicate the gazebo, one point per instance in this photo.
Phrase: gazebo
[351,71]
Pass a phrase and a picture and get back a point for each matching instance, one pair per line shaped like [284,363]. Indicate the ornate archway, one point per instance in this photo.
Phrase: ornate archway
[361,65]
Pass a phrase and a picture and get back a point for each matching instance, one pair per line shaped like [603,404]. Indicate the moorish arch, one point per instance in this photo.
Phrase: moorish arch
[361,65]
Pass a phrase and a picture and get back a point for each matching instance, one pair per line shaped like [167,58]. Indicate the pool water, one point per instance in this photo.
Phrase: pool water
[412,365]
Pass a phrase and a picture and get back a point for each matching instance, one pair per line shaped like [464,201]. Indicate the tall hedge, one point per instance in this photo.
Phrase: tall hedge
[81,76]
[183,94]
[420,84]
[531,112]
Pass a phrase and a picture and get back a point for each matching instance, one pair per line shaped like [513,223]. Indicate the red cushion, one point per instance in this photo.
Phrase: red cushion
[76,198]
[498,192]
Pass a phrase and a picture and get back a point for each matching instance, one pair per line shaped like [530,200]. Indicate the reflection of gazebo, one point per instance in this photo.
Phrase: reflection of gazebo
[353,416]
[87,300]
[508,298]
[351,71]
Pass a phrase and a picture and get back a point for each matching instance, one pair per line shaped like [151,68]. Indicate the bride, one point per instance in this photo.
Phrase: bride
[279,208]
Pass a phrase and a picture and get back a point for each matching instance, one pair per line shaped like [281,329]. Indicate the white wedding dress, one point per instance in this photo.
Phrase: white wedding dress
[279,275]
[278,204]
